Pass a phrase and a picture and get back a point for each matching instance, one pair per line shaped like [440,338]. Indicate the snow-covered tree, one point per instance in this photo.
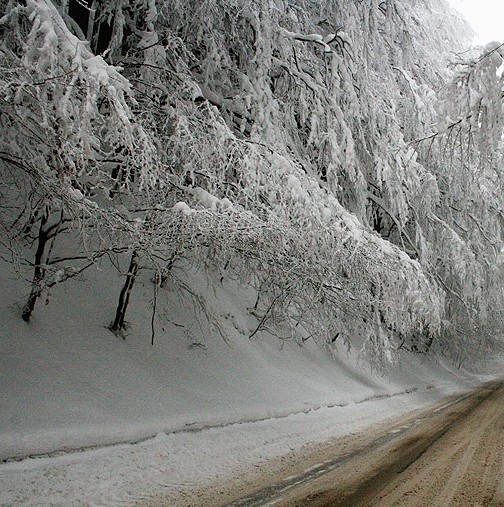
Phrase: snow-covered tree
[466,151]
[310,147]
[288,109]
[69,138]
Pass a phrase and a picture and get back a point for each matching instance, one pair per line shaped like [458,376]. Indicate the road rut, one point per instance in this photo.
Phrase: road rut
[451,457]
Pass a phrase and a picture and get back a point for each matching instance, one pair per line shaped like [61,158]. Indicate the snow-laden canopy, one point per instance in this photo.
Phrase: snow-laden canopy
[324,151]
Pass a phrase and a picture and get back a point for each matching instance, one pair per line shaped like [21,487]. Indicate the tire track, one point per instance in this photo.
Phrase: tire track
[461,469]
[358,477]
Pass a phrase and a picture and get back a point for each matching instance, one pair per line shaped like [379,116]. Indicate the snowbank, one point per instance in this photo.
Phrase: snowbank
[66,382]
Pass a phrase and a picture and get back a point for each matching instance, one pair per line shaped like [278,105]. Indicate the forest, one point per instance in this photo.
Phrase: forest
[342,157]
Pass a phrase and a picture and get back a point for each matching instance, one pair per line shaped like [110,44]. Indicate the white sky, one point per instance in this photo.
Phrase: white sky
[485,16]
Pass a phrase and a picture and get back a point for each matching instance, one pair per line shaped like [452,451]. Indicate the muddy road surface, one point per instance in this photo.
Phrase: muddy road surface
[451,455]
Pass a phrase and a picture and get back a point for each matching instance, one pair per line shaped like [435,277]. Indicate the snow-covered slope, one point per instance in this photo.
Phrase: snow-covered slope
[67,382]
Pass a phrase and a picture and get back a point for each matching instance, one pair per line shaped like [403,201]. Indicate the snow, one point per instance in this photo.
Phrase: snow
[87,418]
[181,207]
[312,37]
[201,411]
[205,199]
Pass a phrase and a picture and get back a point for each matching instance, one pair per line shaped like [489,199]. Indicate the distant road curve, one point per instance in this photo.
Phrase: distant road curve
[450,456]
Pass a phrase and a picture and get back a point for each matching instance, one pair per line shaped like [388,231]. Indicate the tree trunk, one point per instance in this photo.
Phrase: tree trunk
[39,271]
[124,296]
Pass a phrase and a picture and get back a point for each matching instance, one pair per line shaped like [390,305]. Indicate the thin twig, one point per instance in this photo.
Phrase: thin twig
[265,316]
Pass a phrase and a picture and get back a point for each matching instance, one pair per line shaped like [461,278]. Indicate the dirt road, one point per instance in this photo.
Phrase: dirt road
[450,456]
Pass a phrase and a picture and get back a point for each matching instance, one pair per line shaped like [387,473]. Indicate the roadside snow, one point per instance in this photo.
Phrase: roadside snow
[67,383]
[176,466]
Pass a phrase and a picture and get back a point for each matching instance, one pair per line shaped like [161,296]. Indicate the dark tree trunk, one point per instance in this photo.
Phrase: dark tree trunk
[39,271]
[124,296]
